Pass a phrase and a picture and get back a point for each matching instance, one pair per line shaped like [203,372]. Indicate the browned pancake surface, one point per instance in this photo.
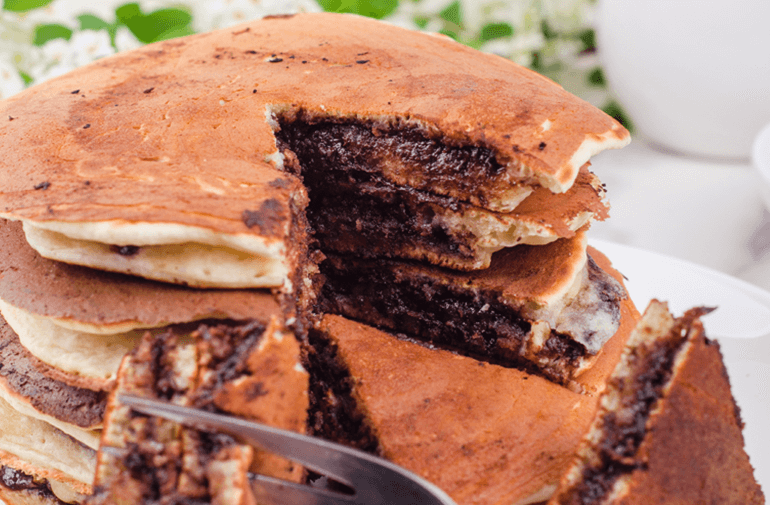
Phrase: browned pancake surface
[176,131]
[483,433]
[58,290]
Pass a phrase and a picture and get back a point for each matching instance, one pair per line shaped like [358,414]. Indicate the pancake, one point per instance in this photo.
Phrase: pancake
[25,386]
[38,449]
[546,309]
[82,321]
[483,433]
[162,162]
[19,488]
[251,371]
[668,429]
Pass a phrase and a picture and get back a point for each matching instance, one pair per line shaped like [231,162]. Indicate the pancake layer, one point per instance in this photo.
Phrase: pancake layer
[667,429]
[483,433]
[165,157]
[547,309]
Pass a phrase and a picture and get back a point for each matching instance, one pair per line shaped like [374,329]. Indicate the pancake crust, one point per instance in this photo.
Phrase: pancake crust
[483,433]
[176,132]
[103,302]
[668,429]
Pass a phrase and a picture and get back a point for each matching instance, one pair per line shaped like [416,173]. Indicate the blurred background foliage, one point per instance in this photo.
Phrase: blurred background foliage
[40,39]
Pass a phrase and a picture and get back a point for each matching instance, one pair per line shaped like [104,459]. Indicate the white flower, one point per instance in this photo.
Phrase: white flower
[10,80]
[125,40]
[60,56]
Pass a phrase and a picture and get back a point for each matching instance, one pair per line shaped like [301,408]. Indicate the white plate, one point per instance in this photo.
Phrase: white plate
[741,323]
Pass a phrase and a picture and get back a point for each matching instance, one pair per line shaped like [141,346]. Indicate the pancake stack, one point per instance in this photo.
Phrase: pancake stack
[179,218]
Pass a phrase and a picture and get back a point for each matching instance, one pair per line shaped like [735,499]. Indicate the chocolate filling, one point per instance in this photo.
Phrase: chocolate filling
[227,348]
[624,429]
[354,208]
[333,412]
[472,322]
[18,481]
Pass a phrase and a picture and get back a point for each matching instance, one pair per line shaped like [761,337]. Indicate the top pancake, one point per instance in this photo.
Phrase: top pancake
[180,132]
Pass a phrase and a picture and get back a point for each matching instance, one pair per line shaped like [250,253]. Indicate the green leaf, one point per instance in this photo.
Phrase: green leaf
[91,22]
[44,33]
[452,14]
[588,38]
[26,78]
[494,31]
[614,109]
[421,21]
[175,32]
[450,33]
[371,8]
[596,77]
[548,32]
[24,5]
[161,24]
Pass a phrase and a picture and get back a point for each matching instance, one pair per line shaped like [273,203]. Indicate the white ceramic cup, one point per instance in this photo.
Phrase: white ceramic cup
[694,75]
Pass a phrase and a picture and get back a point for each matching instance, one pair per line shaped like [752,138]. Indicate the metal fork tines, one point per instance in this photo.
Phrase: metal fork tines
[373,480]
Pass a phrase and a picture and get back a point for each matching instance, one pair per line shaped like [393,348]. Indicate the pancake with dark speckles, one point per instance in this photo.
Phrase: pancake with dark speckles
[174,142]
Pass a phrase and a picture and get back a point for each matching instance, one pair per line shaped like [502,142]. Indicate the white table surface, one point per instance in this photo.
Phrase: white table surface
[706,211]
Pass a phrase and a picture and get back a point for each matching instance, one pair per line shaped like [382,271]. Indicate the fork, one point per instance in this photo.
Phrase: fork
[373,480]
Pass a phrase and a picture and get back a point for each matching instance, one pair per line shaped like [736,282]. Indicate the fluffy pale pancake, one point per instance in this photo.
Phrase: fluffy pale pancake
[483,433]
[170,148]
[667,429]
[39,449]
[546,309]
[101,302]
[250,371]
[81,322]
[26,385]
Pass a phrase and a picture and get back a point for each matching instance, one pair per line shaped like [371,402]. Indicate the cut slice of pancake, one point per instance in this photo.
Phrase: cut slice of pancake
[668,429]
[353,210]
[162,161]
[547,309]
[251,371]
[483,433]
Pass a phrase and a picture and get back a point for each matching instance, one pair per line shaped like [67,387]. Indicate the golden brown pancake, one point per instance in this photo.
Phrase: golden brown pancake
[27,385]
[104,302]
[668,429]
[81,322]
[483,433]
[162,161]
